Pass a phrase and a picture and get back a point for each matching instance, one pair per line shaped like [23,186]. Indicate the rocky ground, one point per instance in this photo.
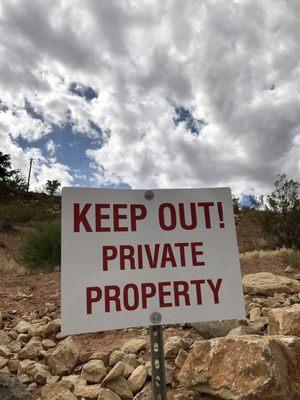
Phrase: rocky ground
[254,359]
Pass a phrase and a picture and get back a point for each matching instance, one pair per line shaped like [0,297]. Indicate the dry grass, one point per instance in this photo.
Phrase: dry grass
[9,266]
[287,256]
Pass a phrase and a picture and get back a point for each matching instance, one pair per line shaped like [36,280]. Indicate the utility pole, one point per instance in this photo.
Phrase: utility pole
[29,173]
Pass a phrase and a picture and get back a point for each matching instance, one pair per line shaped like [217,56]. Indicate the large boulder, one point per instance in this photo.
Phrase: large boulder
[285,321]
[64,358]
[12,389]
[243,368]
[267,284]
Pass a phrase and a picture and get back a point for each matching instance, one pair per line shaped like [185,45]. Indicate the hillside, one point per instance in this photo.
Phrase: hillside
[33,300]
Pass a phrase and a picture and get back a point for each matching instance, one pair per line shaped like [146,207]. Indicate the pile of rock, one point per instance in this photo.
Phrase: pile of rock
[53,367]
[254,359]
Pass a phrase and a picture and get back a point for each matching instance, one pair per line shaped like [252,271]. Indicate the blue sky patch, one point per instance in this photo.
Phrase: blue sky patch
[87,92]
[185,115]
[70,149]
[32,112]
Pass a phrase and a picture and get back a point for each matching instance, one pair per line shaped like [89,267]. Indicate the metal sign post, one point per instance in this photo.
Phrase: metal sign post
[159,388]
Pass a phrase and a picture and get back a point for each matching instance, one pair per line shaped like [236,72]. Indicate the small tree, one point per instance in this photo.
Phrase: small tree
[5,167]
[236,204]
[52,186]
[283,212]
[10,178]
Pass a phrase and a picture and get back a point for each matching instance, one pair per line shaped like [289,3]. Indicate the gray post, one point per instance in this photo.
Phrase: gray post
[159,388]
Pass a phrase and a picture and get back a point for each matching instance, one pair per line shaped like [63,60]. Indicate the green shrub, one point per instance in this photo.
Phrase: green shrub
[282,216]
[42,246]
[17,212]
[292,258]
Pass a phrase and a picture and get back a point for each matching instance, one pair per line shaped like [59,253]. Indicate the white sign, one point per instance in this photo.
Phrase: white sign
[125,257]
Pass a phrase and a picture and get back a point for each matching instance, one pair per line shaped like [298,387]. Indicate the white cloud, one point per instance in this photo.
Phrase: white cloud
[233,63]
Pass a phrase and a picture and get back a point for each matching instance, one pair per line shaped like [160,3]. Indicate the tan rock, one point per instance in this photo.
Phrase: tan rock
[285,321]
[254,314]
[5,352]
[116,372]
[120,355]
[94,371]
[23,327]
[84,356]
[106,394]
[53,327]
[89,392]
[24,378]
[32,386]
[128,370]
[181,357]
[144,394]
[134,345]
[267,284]
[5,339]
[57,391]
[53,379]
[13,365]
[172,346]
[64,358]
[212,329]
[37,330]
[137,379]
[244,330]
[48,344]
[120,386]
[60,336]
[31,350]
[23,338]
[16,347]
[3,362]
[40,373]
[76,380]
[26,367]
[243,368]
[66,395]
[101,355]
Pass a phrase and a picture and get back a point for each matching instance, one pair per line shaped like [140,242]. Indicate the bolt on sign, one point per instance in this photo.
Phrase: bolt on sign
[130,254]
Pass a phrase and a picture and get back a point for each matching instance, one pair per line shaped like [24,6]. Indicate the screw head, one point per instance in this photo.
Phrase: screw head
[149,195]
[155,317]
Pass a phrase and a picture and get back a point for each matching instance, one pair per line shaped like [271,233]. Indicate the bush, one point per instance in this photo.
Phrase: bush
[282,216]
[17,212]
[42,246]
[292,258]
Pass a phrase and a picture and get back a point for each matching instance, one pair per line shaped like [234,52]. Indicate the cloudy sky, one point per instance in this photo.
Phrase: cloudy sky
[156,94]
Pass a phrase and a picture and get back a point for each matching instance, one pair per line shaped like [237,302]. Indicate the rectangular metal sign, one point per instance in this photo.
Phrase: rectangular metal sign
[128,254]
